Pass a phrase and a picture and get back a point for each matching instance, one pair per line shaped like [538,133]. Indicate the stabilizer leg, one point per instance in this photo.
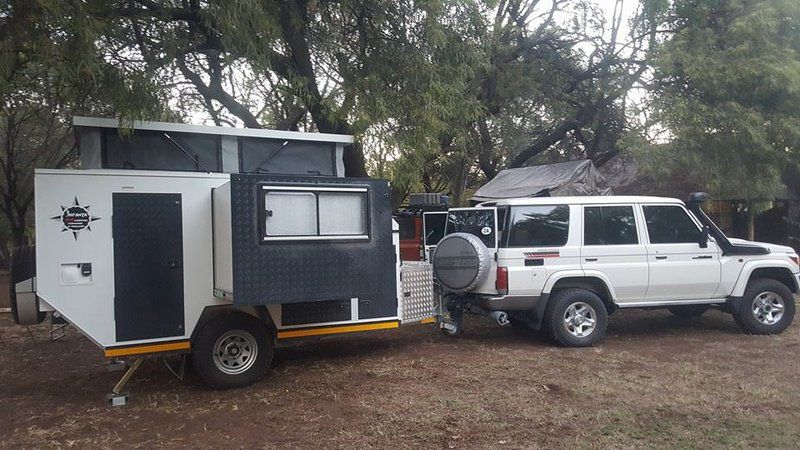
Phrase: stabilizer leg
[117,397]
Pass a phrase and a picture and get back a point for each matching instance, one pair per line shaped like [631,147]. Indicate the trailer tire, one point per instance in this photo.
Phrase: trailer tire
[232,350]
[23,267]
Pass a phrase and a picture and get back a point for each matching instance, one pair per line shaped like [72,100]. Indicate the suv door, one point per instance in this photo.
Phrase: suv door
[433,224]
[613,247]
[680,268]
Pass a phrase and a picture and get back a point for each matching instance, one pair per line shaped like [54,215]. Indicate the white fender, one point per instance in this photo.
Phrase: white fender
[560,275]
[750,266]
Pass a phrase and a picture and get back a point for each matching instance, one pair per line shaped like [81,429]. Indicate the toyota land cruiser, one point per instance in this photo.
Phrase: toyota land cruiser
[562,264]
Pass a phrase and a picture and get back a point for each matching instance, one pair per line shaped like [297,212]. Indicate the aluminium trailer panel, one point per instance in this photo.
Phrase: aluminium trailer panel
[77,239]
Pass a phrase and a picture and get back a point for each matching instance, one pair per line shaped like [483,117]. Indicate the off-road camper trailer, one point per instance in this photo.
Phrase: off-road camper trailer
[146,253]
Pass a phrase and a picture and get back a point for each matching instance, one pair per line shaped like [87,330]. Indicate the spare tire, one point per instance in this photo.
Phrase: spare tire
[23,267]
[461,262]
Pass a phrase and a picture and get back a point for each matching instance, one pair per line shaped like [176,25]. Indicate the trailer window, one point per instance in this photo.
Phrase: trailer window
[290,213]
[342,213]
[315,214]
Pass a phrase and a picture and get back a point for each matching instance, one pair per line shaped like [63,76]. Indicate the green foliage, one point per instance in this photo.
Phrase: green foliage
[729,93]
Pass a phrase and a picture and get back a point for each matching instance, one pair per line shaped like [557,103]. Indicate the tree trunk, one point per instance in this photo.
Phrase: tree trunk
[751,224]
[293,19]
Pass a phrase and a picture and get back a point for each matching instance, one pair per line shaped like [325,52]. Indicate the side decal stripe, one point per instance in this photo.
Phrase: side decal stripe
[147,348]
[335,330]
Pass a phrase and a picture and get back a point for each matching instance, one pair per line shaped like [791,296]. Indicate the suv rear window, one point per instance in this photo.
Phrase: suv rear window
[538,226]
[670,225]
[478,222]
[609,225]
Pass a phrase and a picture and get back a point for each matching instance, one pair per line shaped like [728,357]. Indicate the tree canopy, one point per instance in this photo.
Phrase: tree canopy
[440,94]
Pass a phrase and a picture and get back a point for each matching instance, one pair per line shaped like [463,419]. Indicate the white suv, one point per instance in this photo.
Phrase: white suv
[563,264]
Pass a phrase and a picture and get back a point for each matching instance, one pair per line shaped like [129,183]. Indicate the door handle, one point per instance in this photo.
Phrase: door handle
[702,257]
[661,257]
[590,259]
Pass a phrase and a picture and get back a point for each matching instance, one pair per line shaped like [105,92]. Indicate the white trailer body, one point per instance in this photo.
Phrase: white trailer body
[85,297]
[104,239]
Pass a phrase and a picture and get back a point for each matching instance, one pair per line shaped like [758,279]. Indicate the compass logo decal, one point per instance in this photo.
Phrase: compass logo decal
[75,218]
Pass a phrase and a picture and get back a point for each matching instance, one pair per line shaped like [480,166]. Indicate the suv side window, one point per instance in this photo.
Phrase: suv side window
[538,226]
[670,225]
[609,225]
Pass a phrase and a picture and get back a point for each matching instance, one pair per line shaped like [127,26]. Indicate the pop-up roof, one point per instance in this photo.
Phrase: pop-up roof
[199,148]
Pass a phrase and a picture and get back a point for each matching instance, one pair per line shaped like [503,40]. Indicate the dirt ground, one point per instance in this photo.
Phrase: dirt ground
[655,381]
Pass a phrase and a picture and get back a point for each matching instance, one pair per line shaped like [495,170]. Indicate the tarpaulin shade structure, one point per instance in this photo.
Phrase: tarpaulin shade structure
[562,179]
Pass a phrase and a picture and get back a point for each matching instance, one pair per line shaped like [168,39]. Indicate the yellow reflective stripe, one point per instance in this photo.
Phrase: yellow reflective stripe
[338,329]
[428,320]
[147,348]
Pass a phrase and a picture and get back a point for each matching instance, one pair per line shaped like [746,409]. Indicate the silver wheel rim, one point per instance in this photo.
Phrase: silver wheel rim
[580,319]
[235,352]
[768,307]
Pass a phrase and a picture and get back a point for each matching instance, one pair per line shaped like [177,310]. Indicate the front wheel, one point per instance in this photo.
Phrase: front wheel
[767,307]
[576,318]
[232,350]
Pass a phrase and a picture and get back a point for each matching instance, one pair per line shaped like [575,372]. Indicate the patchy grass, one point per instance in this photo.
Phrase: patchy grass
[655,382]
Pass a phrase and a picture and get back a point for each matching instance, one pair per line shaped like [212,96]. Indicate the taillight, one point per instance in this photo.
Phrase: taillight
[501,283]
[796,260]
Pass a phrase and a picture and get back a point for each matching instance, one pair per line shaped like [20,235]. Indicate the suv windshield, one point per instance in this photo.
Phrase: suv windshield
[478,222]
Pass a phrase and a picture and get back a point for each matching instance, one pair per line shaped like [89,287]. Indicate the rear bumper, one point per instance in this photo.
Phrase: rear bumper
[508,302]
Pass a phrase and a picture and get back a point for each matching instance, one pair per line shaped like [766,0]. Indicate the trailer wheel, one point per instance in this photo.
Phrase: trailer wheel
[232,350]
[23,267]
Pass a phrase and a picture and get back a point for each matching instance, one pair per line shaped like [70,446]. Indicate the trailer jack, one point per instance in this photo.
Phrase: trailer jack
[118,397]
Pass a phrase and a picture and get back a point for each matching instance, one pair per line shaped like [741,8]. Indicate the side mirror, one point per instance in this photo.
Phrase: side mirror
[703,241]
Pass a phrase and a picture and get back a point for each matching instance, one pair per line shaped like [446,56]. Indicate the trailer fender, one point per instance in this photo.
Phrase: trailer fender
[260,312]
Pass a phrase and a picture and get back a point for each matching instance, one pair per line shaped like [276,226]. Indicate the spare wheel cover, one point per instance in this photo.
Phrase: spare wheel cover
[461,262]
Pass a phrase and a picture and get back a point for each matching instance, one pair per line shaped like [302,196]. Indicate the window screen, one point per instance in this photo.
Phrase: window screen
[609,225]
[670,225]
[538,226]
[342,213]
[315,214]
[290,213]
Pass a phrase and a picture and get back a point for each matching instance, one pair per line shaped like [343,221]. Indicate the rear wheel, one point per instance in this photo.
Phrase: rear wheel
[688,311]
[576,318]
[232,350]
[767,307]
